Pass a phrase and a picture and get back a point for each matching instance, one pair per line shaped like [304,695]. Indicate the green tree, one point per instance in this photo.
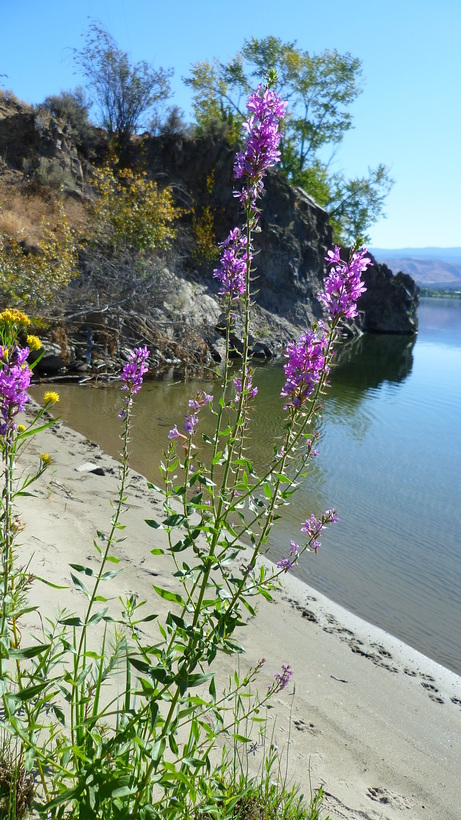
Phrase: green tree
[125,94]
[320,90]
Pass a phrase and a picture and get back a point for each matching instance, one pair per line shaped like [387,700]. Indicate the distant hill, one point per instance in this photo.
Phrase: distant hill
[429,267]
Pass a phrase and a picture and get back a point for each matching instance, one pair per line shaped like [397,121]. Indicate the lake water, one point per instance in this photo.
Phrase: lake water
[389,462]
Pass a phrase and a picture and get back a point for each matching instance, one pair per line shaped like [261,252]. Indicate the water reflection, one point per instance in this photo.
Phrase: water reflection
[370,360]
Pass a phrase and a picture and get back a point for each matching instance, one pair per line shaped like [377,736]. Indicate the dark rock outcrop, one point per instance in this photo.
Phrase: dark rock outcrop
[295,236]
[389,303]
[40,147]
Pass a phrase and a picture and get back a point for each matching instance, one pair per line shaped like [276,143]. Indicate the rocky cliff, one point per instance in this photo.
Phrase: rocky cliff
[292,244]
[291,248]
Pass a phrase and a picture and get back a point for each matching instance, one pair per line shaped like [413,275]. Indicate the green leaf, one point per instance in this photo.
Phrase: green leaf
[49,584]
[80,585]
[81,568]
[196,680]
[34,430]
[157,551]
[71,620]
[154,524]
[265,594]
[140,665]
[151,486]
[111,573]
[98,616]
[168,596]
[174,520]
[242,738]
[29,651]
[181,545]
[145,620]
[27,694]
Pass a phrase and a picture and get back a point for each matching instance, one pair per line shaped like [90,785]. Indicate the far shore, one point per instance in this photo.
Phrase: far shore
[372,720]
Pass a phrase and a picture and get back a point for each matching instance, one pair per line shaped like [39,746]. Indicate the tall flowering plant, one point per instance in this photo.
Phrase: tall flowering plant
[147,750]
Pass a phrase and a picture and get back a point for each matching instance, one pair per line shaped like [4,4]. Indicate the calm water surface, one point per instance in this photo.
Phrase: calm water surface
[389,462]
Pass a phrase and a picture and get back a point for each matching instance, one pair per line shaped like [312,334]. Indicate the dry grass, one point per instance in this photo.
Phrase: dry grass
[24,213]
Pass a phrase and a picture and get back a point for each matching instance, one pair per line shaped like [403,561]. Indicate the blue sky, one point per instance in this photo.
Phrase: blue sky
[408,116]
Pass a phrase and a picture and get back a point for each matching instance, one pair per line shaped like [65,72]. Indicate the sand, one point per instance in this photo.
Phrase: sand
[372,720]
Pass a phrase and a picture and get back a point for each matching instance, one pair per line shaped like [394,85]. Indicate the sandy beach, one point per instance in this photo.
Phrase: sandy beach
[375,722]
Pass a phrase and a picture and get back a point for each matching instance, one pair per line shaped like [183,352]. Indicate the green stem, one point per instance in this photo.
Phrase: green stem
[115,522]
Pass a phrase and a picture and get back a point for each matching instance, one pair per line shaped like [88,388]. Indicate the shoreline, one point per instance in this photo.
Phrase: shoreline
[373,720]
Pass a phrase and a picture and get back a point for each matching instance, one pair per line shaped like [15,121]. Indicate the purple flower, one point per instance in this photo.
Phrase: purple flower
[262,138]
[191,420]
[174,433]
[15,377]
[343,285]
[313,527]
[200,400]
[330,517]
[262,132]
[285,564]
[288,563]
[190,423]
[235,261]
[248,386]
[305,366]
[281,679]
[134,370]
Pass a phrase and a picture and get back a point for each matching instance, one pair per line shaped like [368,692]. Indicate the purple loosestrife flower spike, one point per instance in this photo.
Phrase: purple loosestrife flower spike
[134,370]
[15,377]
[262,132]
[313,527]
[281,679]
[250,389]
[234,263]
[343,285]
[262,138]
[305,366]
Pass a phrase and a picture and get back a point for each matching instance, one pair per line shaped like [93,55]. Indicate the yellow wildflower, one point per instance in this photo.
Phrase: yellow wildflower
[45,458]
[12,316]
[51,396]
[34,343]
[21,428]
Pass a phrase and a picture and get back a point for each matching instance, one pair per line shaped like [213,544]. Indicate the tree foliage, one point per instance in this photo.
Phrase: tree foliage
[125,94]
[320,90]
[131,213]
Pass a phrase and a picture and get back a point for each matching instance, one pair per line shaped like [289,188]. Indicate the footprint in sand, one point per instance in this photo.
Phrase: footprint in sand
[356,646]
[383,796]
[306,727]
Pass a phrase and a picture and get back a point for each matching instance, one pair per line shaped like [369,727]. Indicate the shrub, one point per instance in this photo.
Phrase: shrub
[34,277]
[130,212]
